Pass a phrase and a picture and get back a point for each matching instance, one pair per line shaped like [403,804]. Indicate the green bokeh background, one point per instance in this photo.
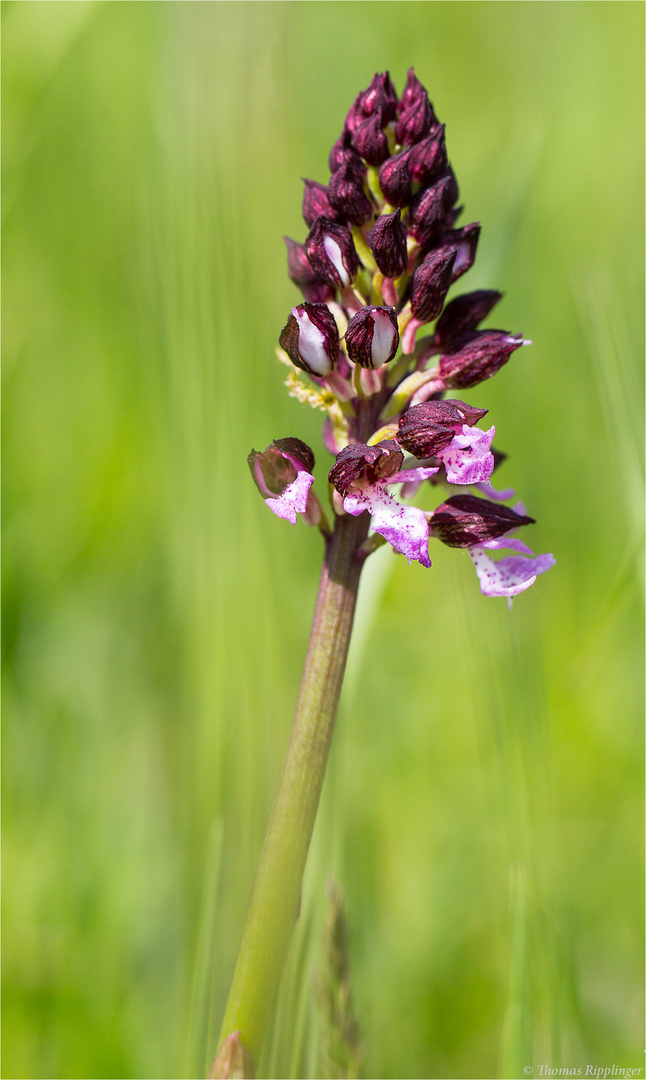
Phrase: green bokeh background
[482,811]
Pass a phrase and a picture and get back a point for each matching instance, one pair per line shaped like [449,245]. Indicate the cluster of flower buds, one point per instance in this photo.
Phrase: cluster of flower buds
[383,250]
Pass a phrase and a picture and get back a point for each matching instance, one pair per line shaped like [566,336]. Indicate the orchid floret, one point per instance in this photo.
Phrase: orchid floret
[510,575]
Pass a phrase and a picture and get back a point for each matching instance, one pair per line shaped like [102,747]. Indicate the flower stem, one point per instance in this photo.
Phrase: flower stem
[276,896]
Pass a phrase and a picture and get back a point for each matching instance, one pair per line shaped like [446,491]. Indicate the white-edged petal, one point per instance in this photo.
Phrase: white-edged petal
[312,344]
[335,255]
[383,337]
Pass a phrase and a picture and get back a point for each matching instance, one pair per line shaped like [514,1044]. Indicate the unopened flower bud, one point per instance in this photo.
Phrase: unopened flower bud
[301,273]
[430,284]
[311,339]
[278,466]
[370,463]
[413,93]
[465,313]
[316,202]
[428,428]
[477,356]
[346,194]
[337,153]
[415,121]
[427,159]
[464,520]
[387,241]
[429,209]
[354,165]
[380,97]
[395,181]
[370,140]
[355,115]
[466,241]
[452,191]
[372,336]
[331,252]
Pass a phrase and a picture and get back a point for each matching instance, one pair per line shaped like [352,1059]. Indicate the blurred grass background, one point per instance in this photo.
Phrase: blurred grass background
[483,809]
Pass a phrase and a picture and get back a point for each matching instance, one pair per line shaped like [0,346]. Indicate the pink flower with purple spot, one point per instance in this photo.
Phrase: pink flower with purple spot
[283,475]
[511,575]
[445,430]
[480,526]
[362,474]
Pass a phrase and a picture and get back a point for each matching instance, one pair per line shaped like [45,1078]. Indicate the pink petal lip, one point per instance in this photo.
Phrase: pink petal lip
[468,458]
[511,575]
[293,500]
[405,527]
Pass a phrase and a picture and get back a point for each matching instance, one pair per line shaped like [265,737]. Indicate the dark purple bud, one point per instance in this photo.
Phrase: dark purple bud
[428,211]
[355,116]
[347,196]
[370,140]
[387,240]
[380,97]
[311,339]
[331,253]
[355,166]
[465,313]
[477,356]
[415,122]
[464,520]
[427,159]
[395,181]
[452,190]
[414,91]
[428,428]
[372,336]
[338,151]
[359,462]
[301,273]
[430,284]
[316,202]
[277,467]
[466,241]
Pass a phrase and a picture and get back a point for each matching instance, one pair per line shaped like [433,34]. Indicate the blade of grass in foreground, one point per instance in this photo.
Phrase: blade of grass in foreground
[515,1050]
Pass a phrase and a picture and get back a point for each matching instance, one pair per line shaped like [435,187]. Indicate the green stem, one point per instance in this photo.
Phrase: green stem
[276,896]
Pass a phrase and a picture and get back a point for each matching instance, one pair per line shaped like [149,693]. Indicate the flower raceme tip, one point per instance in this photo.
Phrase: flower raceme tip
[379,340]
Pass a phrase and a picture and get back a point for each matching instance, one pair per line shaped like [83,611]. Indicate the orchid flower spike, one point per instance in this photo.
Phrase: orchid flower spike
[375,344]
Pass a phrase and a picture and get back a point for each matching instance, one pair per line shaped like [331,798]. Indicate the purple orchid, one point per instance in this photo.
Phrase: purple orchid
[511,575]
[361,476]
[283,475]
[375,270]
[443,430]
[480,526]
[382,253]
